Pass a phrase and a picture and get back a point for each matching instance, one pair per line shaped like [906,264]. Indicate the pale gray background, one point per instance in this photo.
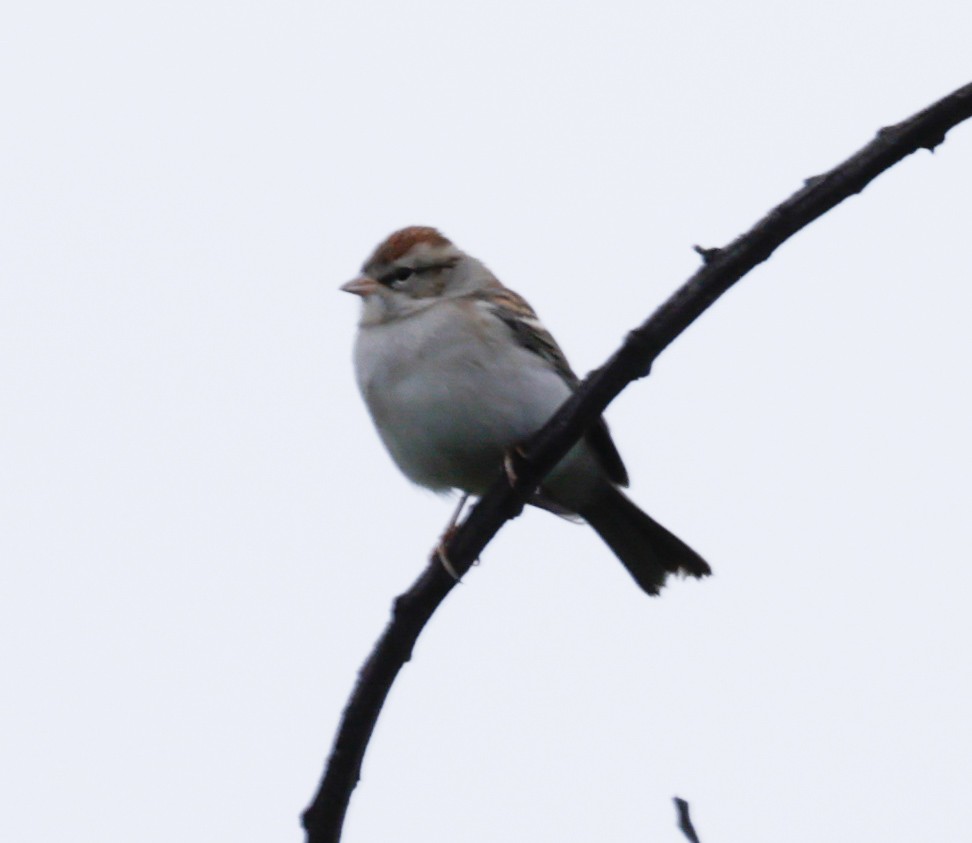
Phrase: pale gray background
[201,534]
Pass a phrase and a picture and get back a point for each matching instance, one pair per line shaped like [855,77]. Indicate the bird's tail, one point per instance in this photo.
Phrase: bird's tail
[647,550]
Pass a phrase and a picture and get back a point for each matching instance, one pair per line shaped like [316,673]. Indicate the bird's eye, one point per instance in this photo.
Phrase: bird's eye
[394,278]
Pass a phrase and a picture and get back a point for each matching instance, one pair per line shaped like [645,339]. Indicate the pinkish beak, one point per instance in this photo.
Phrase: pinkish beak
[363,286]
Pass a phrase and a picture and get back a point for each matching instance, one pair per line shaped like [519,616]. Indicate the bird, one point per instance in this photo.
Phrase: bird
[457,371]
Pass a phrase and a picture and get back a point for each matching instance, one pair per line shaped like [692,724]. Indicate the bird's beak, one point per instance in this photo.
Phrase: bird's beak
[363,286]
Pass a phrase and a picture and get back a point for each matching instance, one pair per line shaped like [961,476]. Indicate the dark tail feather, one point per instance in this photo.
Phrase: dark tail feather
[647,550]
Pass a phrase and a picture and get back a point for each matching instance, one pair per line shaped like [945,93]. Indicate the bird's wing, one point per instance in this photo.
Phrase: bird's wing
[527,329]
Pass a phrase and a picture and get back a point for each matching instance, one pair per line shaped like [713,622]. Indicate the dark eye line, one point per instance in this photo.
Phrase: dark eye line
[398,274]
[402,273]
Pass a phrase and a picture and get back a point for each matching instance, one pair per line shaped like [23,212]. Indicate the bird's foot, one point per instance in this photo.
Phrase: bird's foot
[443,558]
[447,534]
[509,460]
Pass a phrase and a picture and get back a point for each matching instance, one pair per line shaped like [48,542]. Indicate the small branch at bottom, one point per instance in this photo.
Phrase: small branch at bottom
[684,820]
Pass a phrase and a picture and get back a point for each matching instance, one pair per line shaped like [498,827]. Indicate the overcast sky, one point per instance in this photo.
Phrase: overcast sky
[201,535]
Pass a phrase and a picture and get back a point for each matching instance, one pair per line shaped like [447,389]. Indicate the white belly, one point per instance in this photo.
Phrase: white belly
[450,396]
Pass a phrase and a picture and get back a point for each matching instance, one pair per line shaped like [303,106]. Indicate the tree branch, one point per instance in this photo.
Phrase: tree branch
[721,268]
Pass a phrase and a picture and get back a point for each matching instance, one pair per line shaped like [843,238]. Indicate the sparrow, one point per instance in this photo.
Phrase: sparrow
[457,370]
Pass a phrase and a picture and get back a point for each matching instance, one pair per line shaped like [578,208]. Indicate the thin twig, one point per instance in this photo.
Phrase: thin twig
[722,267]
[685,821]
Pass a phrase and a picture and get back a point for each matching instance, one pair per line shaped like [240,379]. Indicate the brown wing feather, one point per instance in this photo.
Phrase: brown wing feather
[514,311]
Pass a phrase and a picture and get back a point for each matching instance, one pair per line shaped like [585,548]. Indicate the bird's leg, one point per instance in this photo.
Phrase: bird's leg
[447,534]
[451,526]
